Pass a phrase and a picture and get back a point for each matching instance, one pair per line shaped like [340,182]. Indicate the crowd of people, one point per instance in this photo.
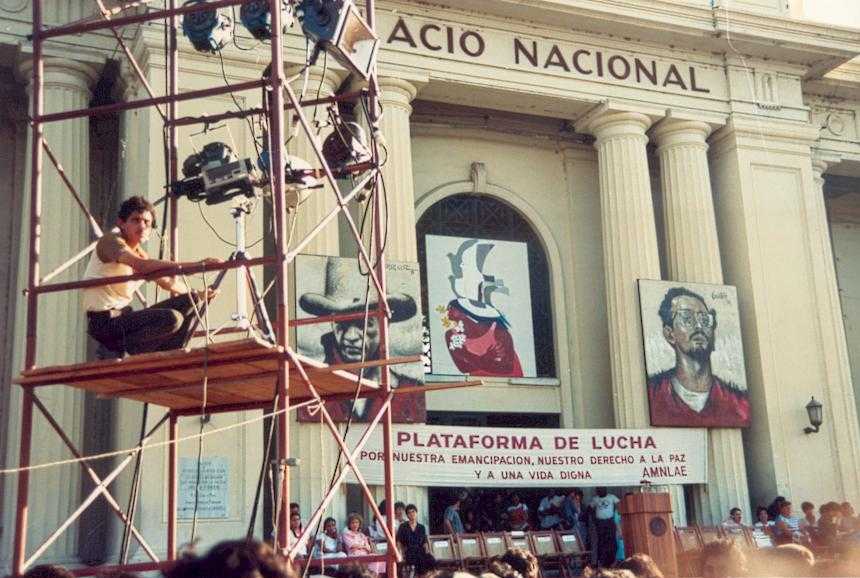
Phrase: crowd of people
[597,520]
[720,559]
[836,526]
[827,544]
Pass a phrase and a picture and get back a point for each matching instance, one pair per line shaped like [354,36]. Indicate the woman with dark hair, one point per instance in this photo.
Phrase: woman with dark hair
[329,544]
[412,538]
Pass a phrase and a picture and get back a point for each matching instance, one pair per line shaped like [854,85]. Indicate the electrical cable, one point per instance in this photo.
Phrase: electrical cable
[134,493]
[203,404]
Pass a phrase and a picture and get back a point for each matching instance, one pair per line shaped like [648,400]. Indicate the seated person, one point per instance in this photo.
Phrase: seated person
[786,529]
[734,521]
[111,320]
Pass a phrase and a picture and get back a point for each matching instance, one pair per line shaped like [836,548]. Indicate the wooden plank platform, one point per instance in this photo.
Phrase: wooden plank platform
[239,373]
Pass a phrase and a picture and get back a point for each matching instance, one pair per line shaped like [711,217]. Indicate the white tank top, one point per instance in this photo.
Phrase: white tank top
[114,296]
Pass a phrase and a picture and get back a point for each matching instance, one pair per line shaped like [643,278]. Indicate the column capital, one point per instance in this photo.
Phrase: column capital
[605,123]
[397,92]
[821,161]
[674,132]
[61,73]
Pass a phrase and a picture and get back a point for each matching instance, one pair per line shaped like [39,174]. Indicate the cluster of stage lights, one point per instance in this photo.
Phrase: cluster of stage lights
[334,26]
[215,174]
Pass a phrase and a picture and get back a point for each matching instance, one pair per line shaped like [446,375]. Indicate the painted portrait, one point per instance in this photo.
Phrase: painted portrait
[334,286]
[693,355]
[480,311]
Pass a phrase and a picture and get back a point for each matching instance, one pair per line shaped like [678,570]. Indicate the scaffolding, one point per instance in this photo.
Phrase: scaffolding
[253,374]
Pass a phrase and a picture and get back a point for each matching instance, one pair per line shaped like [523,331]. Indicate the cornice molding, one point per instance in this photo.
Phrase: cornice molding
[818,47]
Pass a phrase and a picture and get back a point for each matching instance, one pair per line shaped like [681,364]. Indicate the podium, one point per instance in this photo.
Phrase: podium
[646,525]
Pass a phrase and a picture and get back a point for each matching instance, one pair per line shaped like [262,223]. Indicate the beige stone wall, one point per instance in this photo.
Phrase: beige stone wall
[846,245]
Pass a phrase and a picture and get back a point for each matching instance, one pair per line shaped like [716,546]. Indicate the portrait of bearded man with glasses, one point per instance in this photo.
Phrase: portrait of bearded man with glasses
[690,394]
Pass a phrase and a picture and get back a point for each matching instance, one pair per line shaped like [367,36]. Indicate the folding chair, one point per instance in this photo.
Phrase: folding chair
[689,545]
[572,550]
[472,554]
[546,550]
[441,546]
[518,540]
[494,544]
[709,534]
[740,536]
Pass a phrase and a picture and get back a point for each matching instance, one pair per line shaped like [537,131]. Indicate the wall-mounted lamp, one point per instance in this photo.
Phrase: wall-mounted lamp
[814,410]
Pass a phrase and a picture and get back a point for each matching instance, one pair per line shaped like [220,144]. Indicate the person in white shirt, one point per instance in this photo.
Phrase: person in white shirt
[734,520]
[603,506]
[550,510]
[110,319]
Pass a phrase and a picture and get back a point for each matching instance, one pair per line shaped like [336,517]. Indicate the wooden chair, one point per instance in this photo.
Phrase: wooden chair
[546,550]
[441,546]
[572,550]
[709,534]
[741,536]
[494,543]
[472,555]
[518,540]
[689,545]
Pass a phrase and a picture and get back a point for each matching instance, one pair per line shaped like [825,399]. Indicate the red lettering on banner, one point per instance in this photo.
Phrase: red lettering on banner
[566,443]
[622,442]
[664,472]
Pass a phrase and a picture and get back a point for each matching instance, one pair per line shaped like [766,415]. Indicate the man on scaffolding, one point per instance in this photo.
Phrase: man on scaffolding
[111,321]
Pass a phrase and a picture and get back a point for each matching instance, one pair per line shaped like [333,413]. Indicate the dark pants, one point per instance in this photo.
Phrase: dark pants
[606,545]
[160,327]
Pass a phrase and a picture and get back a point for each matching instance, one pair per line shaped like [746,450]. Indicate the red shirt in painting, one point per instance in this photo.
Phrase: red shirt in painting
[727,406]
[480,345]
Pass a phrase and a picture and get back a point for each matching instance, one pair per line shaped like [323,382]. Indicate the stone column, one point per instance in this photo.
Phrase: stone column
[840,413]
[397,94]
[396,98]
[629,253]
[62,338]
[693,255]
[321,201]
[311,442]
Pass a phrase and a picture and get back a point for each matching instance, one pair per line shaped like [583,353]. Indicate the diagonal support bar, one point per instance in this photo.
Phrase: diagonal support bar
[345,449]
[106,15]
[89,500]
[333,183]
[329,496]
[331,215]
[95,478]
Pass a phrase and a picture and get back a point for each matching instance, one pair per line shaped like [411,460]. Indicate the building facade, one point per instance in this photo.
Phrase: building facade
[688,141]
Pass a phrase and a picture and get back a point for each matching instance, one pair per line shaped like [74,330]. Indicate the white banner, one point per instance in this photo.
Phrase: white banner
[472,456]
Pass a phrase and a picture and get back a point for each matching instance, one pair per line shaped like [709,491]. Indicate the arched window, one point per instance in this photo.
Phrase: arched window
[484,217]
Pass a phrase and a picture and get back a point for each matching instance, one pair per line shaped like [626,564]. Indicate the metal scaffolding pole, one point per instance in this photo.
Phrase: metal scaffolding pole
[279,97]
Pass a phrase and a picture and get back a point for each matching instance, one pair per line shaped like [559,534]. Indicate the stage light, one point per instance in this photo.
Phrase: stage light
[337,27]
[346,145]
[208,30]
[215,174]
[257,18]
[299,178]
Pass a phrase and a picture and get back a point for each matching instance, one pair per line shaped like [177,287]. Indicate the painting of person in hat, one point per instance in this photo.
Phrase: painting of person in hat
[347,341]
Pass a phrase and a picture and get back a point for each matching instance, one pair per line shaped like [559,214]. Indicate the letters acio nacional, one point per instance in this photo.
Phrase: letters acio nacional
[531,53]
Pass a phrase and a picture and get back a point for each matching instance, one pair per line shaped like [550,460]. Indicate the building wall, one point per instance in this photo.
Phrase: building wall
[527,134]
[533,174]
